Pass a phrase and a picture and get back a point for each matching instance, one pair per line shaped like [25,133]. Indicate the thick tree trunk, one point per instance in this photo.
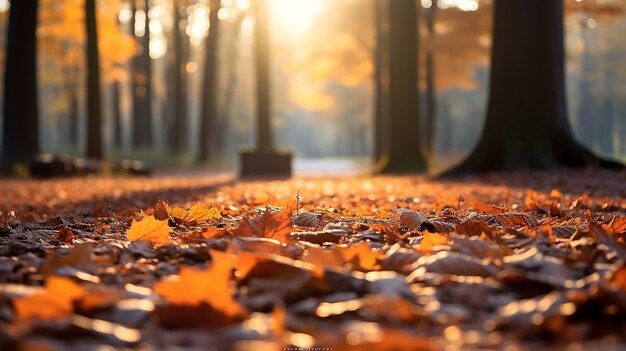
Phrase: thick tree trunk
[21,127]
[208,114]
[404,154]
[526,125]
[94,118]
[264,140]
[142,85]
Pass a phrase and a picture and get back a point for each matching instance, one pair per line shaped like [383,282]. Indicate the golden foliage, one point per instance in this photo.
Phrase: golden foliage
[149,229]
[212,286]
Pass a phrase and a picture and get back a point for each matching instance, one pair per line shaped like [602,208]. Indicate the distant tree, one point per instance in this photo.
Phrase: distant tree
[180,48]
[404,154]
[142,81]
[21,126]
[431,99]
[263,87]
[526,125]
[208,116]
[94,113]
[381,78]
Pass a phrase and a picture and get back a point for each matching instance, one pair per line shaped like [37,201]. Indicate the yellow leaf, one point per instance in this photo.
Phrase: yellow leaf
[54,302]
[195,215]
[149,229]
[211,286]
[432,239]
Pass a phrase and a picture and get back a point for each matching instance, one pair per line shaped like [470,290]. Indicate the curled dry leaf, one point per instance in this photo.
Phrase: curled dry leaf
[474,228]
[149,229]
[485,208]
[269,225]
[411,219]
[55,301]
[81,257]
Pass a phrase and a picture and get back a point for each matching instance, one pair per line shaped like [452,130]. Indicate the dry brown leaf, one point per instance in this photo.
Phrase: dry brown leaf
[485,208]
[194,286]
[149,229]
[269,225]
[162,210]
[474,228]
[80,257]
[617,225]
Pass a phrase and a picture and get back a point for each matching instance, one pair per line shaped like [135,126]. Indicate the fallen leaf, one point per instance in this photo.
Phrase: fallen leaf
[481,207]
[474,228]
[81,256]
[194,286]
[432,239]
[162,210]
[269,225]
[149,229]
[55,301]
[197,214]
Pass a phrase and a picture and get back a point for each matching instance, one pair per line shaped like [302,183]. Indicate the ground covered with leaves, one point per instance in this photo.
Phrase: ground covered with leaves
[519,261]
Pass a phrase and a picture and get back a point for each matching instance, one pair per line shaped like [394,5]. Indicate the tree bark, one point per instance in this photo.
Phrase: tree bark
[94,117]
[117,115]
[21,126]
[264,141]
[178,122]
[526,125]
[431,98]
[208,114]
[142,85]
[381,79]
[404,154]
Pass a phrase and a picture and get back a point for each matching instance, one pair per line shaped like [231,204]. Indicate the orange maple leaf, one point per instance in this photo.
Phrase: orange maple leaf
[149,229]
[54,301]
[212,286]
[270,225]
[195,215]
[360,257]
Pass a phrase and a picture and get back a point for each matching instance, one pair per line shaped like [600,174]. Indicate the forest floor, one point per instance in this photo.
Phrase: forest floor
[520,261]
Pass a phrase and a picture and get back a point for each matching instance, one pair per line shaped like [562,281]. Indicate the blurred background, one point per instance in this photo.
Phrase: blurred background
[323,72]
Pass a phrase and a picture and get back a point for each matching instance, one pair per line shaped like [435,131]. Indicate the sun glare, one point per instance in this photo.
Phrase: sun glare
[295,17]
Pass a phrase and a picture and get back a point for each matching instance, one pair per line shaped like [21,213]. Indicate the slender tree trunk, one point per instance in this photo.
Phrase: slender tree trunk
[381,79]
[117,115]
[404,154]
[526,125]
[21,126]
[208,114]
[431,98]
[71,85]
[264,140]
[232,56]
[585,118]
[142,84]
[94,118]
[178,122]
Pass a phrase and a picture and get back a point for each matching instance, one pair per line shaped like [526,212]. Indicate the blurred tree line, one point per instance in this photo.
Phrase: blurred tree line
[177,78]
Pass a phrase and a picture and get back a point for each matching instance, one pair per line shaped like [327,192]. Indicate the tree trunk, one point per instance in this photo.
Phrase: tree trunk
[404,154]
[178,126]
[94,118]
[208,114]
[381,79]
[21,127]
[431,98]
[142,85]
[72,115]
[526,125]
[264,141]
[117,116]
